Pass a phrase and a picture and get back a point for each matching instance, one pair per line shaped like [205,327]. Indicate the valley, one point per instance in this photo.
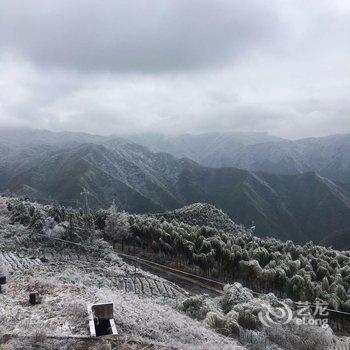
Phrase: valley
[301,207]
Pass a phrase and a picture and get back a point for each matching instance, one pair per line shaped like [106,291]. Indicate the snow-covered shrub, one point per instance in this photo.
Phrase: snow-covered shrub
[302,337]
[234,294]
[100,217]
[232,324]
[237,312]
[48,226]
[197,306]
[215,320]
[20,212]
[57,212]
[37,221]
[248,318]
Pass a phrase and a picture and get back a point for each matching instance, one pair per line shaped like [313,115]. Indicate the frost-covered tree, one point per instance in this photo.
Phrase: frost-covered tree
[100,219]
[86,227]
[80,227]
[37,221]
[117,227]
[57,212]
[20,212]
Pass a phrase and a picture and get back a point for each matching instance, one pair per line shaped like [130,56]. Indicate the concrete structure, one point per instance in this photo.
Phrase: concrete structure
[101,320]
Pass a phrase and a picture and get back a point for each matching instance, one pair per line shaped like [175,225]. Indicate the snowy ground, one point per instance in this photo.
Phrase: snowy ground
[69,279]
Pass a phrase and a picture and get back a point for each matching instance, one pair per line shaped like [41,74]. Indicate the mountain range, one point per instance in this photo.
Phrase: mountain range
[49,166]
[329,156]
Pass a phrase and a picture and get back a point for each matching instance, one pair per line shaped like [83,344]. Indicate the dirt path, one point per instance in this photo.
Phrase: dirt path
[191,283]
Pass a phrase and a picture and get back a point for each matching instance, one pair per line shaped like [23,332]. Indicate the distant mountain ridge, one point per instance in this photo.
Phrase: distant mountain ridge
[329,156]
[208,149]
[339,240]
[299,207]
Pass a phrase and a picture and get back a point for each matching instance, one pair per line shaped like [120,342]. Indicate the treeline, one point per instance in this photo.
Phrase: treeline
[203,214]
[303,273]
[53,220]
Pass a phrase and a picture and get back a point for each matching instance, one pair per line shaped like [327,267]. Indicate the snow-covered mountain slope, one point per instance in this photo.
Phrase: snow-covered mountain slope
[203,214]
[329,156]
[209,149]
[300,207]
[68,278]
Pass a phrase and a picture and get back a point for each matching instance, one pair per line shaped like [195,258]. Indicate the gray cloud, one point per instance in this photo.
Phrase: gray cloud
[135,35]
[176,66]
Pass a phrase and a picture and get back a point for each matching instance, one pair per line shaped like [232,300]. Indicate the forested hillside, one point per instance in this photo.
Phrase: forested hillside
[37,255]
[300,207]
[202,214]
[303,273]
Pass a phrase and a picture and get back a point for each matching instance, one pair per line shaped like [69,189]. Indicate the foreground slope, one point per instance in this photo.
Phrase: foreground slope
[51,248]
[68,277]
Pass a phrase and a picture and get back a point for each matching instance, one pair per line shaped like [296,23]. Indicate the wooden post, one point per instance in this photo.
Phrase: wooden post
[2,281]
[34,298]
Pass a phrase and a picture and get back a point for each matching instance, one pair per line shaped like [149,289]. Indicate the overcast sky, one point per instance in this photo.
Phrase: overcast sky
[174,66]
